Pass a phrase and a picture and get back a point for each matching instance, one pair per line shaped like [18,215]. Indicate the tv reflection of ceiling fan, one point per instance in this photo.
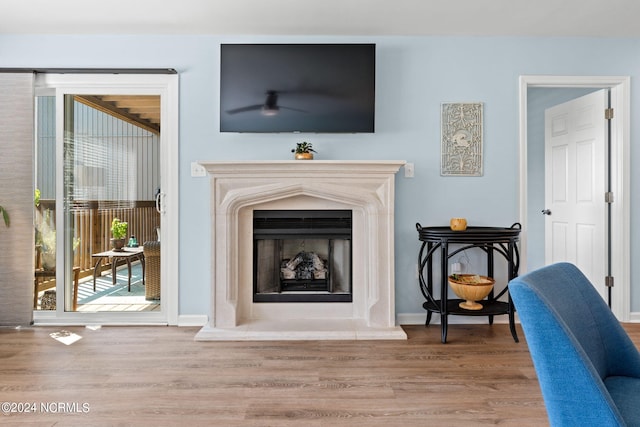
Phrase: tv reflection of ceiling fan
[269,108]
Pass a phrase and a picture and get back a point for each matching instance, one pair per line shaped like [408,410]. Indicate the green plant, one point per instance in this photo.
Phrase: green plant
[303,147]
[5,216]
[46,238]
[119,229]
[46,234]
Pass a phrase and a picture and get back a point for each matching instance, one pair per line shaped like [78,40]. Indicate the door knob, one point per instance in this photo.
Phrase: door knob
[546,212]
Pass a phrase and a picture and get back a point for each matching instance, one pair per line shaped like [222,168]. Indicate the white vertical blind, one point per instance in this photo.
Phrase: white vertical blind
[16,196]
[115,161]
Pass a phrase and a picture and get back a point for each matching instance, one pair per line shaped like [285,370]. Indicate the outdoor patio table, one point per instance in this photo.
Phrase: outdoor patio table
[127,254]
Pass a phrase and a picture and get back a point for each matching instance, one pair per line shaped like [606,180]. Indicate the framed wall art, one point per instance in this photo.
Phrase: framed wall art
[461,133]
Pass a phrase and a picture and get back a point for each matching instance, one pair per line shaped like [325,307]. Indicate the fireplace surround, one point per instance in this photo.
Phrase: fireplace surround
[238,188]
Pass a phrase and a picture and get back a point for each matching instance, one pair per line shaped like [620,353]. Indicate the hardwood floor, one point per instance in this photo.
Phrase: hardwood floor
[160,376]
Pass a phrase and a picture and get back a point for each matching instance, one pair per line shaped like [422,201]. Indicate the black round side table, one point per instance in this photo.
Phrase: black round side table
[488,239]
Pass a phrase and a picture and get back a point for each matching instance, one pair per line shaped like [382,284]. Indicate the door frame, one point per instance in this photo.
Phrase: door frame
[165,85]
[620,174]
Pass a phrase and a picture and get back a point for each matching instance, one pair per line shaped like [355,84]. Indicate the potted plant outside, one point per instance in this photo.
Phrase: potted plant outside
[118,234]
[45,234]
[303,151]
[46,241]
[5,216]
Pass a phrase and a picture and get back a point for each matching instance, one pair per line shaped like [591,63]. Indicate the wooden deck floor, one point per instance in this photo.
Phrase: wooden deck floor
[160,376]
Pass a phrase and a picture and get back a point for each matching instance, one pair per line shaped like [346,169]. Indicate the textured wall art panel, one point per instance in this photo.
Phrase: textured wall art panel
[461,149]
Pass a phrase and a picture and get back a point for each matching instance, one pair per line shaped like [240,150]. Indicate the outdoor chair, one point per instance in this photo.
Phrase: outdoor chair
[42,281]
[151,250]
[587,366]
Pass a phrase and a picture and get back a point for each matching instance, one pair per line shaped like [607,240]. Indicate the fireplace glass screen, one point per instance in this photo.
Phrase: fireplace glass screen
[302,255]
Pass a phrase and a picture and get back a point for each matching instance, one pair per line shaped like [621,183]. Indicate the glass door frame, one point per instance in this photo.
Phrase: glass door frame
[165,85]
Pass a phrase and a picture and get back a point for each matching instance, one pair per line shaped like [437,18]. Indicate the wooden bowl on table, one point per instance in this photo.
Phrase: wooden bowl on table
[471,288]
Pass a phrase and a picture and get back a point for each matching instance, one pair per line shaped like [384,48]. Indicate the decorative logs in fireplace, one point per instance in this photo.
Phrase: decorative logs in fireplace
[302,255]
[304,266]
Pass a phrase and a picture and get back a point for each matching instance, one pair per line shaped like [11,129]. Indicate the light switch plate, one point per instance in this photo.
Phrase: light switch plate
[408,170]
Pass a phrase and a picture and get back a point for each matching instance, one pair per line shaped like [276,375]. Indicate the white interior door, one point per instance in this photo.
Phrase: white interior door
[575,186]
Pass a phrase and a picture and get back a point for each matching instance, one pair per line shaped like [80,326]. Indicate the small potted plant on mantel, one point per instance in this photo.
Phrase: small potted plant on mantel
[118,234]
[303,151]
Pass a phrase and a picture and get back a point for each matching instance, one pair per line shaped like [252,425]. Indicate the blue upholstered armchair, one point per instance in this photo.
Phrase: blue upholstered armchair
[588,368]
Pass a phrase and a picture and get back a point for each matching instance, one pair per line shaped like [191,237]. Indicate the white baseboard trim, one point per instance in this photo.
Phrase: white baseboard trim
[421,318]
[185,320]
[401,318]
[634,317]
[413,318]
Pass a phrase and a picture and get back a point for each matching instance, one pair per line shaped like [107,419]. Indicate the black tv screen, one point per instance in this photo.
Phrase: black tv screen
[316,88]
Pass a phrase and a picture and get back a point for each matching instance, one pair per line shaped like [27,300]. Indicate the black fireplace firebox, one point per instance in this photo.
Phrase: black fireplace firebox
[302,256]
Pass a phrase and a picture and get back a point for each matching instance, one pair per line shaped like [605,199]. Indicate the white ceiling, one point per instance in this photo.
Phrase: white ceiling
[609,18]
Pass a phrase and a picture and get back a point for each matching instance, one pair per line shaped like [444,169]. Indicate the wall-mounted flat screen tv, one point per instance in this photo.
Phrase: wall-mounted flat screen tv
[316,88]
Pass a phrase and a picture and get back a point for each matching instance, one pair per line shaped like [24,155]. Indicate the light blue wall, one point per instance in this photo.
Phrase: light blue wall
[414,76]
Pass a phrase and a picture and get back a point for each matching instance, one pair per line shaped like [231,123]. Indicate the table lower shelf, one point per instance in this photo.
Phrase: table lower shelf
[489,308]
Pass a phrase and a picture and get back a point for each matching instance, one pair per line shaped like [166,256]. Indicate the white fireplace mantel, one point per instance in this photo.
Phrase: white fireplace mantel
[239,187]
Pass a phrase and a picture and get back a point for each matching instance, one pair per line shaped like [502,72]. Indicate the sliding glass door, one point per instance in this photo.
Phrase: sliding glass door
[105,168]
[111,175]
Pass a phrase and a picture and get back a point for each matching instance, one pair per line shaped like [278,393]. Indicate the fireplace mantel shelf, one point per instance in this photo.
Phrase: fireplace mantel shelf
[285,167]
[366,187]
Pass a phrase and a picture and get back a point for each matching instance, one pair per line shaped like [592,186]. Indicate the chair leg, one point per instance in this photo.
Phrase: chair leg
[76,280]
[35,293]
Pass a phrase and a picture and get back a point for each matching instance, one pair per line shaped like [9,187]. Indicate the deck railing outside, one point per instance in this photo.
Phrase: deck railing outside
[92,225]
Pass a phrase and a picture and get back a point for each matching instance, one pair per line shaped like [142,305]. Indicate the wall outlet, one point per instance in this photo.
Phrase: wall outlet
[408,170]
[455,268]
[197,169]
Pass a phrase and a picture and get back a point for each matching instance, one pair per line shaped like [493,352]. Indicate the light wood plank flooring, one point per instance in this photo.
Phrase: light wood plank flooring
[159,376]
